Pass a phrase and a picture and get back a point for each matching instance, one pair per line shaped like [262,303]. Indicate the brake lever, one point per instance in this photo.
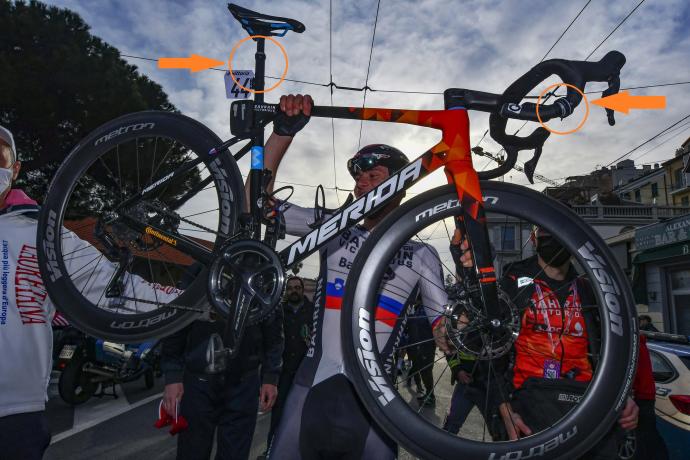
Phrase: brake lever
[614,82]
[531,165]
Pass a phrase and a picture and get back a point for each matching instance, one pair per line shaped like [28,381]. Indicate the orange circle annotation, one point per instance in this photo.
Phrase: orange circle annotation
[577,128]
[282,77]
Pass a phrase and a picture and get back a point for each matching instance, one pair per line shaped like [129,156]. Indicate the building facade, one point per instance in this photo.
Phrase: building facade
[678,173]
[661,273]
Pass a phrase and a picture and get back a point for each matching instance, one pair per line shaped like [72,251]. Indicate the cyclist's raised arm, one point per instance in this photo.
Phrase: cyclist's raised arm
[294,115]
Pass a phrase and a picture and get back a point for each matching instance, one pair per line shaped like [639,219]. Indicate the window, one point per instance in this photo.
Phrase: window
[655,190]
[685,201]
[504,237]
[678,179]
[662,370]
[638,195]
[680,300]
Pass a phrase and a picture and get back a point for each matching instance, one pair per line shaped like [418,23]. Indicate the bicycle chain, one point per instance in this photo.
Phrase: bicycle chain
[182,219]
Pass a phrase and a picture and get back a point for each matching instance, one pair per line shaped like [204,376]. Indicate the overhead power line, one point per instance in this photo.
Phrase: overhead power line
[566,29]
[330,73]
[430,93]
[649,140]
[366,80]
[614,29]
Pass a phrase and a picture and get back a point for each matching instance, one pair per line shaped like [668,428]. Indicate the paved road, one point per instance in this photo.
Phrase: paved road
[123,428]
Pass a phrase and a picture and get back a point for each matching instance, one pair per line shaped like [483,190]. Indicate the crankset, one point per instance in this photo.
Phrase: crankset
[245,285]
[469,329]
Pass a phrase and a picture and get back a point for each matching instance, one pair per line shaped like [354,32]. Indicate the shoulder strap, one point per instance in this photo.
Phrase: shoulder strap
[592,320]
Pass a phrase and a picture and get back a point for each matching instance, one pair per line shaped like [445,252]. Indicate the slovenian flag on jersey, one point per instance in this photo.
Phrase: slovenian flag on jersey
[388,310]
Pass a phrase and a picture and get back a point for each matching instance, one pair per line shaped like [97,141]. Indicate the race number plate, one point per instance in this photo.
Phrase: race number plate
[67,351]
[245,78]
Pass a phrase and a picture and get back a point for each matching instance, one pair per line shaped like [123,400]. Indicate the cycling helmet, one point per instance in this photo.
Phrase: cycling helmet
[376,155]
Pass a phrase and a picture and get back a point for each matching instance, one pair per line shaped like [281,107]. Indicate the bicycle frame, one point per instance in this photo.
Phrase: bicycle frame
[452,152]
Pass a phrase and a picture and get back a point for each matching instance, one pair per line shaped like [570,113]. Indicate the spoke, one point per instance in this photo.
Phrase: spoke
[411,344]
[136,148]
[165,157]
[427,366]
[75,251]
[74,274]
[153,277]
[131,283]
[165,265]
[112,175]
[450,239]
[153,159]
[119,172]
[199,213]
[91,274]
[426,246]
[432,389]
[74,230]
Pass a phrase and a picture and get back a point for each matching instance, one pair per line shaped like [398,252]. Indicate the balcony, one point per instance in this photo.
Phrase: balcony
[650,213]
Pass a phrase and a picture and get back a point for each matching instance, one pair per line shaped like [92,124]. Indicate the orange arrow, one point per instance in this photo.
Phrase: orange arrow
[624,101]
[194,63]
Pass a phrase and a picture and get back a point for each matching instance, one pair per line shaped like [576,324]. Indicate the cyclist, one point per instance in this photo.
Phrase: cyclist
[323,417]
[26,312]
[556,337]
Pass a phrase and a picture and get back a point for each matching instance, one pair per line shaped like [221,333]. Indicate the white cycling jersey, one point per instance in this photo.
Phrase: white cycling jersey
[26,336]
[416,269]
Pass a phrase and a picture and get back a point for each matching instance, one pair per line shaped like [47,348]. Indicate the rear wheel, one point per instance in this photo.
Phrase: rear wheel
[371,347]
[74,385]
[86,236]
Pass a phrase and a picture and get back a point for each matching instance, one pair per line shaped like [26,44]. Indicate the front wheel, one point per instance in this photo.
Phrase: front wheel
[411,247]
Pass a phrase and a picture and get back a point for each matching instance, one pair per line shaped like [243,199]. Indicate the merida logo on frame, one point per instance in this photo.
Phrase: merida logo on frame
[355,211]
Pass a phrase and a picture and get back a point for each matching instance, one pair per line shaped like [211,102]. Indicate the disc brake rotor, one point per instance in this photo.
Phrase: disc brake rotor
[470,330]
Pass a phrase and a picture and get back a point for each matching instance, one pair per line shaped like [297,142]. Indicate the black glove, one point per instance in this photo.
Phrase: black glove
[284,125]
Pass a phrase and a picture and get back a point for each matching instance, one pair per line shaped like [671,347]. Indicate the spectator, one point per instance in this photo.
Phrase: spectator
[648,443]
[298,319]
[225,401]
[462,367]
[551,352]
[26,312]
[646,324]
[422,351]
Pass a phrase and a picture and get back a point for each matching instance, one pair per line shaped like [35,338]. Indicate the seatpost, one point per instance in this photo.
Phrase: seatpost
[257,150]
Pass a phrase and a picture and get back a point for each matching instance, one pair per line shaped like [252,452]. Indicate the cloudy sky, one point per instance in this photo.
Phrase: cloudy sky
[421,45]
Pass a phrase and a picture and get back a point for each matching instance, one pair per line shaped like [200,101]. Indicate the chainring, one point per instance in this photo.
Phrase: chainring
[251,265]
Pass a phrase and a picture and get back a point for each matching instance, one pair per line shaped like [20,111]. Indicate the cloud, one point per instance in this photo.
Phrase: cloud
[419,46]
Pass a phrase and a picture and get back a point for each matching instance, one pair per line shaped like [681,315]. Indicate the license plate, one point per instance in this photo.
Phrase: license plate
[67,351]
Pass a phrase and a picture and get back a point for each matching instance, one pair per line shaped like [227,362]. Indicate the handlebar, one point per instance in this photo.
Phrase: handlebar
[506,106]
[575,73]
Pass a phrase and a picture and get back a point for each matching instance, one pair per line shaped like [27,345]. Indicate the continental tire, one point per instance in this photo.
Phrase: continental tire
[176,130]
[576,432]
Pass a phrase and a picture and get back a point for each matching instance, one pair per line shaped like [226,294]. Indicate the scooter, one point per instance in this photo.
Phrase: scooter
[89,366]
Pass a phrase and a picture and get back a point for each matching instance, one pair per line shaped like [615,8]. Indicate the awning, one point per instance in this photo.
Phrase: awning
[639,279]
[663,252]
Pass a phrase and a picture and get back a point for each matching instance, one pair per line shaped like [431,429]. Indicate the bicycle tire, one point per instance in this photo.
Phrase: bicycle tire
[138,327]
[608,390]
[74,385]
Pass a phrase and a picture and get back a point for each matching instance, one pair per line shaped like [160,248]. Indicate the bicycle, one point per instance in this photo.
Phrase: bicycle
[136,214]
